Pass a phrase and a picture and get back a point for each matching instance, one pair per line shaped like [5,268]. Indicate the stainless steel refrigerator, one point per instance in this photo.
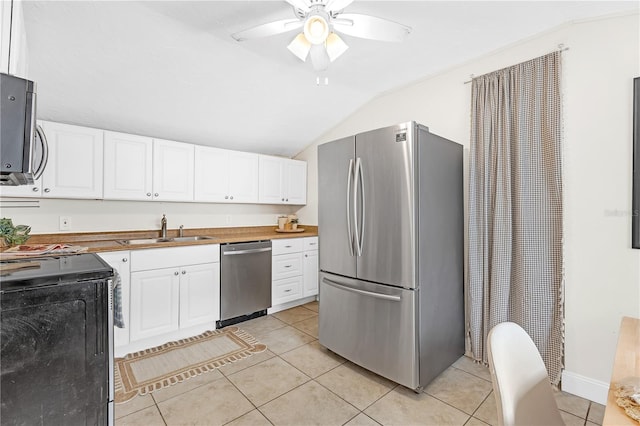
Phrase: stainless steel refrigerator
[391,252]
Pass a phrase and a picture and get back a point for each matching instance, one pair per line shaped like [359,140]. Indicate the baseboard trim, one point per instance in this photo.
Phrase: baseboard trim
[585,387]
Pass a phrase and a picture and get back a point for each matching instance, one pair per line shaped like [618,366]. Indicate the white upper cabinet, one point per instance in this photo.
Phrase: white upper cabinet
[74,169]
[173,164]
[282,181]
[225,176]
[295,182]
[13,39]
[128,172]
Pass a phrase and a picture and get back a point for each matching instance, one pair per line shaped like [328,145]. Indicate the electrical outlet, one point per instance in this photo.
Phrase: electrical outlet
[65,223]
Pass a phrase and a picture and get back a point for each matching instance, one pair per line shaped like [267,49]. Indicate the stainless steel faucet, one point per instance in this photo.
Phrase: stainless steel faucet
[164,227]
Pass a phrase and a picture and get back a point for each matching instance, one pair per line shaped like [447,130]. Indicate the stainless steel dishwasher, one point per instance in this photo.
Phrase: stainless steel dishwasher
[245,281]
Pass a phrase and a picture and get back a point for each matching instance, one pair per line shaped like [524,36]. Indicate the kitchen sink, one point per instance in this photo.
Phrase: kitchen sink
[196,238]
[165,240]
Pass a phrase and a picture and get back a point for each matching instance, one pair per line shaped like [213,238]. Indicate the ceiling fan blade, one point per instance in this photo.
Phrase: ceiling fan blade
[370,27]
[271,28]
[337,5]
[299,4]
[319,57]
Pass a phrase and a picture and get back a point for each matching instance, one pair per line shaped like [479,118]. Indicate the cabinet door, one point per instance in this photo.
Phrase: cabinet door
[127,166]
[199,294]
[270,186]
[13,39]
[172,171]
[74,169]
[154,302]
[119,260]
[243,181]
[211,174]
[310,268]
[295,182]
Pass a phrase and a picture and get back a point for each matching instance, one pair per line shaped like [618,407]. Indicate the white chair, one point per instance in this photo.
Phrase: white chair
[520,381]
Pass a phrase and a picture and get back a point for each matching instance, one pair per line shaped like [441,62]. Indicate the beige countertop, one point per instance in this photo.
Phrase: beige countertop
[108,241]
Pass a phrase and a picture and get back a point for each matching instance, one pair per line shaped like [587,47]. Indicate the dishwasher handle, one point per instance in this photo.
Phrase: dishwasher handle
[260,250]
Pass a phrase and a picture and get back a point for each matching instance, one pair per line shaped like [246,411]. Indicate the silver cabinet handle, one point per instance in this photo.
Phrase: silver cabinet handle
[47,190]
[148,194]
[287,290]
[175,273]
[184,272]
[287,199]
[306,255]
[35,189]
[363,292]
[226,197]
[125,260]
[288,246]
[283,199]
[287,266]
[156,194]
[231,198]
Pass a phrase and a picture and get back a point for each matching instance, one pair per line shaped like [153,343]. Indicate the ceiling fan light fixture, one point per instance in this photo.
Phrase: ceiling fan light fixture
[316,27]
[335,46]
[300,47]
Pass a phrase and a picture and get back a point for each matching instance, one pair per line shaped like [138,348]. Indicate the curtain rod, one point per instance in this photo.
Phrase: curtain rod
[561,48]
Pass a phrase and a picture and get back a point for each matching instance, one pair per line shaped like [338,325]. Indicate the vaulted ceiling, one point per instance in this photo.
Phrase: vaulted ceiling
[170,69]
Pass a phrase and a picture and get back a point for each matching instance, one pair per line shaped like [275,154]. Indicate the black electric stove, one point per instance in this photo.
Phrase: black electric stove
[56,340]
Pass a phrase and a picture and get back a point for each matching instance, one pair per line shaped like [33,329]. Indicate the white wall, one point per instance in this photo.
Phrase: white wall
[602,273]
[98,215]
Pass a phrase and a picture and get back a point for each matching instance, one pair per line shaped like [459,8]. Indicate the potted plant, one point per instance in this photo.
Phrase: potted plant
[13,235]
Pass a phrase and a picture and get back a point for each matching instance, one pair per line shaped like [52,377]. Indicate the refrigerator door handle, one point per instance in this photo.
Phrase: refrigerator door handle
[356,185]
[349,207]
[363,292]
[360,242]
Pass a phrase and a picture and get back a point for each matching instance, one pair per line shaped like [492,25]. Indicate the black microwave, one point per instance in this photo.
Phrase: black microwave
[23,145]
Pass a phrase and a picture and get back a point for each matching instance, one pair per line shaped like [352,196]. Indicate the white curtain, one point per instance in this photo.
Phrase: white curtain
[515,268]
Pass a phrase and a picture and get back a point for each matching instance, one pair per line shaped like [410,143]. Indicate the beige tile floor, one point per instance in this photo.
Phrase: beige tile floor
[298,382]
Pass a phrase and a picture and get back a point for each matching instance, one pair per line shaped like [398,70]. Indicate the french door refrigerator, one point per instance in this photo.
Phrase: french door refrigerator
[391,254]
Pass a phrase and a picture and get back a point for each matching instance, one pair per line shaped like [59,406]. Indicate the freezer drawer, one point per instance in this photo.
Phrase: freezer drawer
[372,325]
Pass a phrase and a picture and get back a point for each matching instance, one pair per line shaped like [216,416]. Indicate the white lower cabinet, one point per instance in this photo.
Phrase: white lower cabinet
[294,269]
[173,289]
[310,266]
[119,260]
[154,302]
[199,299]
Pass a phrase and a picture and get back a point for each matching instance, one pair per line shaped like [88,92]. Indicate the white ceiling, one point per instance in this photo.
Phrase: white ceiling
[170,69]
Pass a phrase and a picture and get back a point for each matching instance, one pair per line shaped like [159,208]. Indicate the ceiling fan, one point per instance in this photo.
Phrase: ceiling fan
[319,20]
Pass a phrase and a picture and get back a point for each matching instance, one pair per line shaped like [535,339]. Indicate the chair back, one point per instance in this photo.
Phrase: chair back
[520,381]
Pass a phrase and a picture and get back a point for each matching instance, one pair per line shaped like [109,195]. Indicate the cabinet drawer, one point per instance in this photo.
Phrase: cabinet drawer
[286,265]
[289,245]
[286,290]
[310,243]
[145,259]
